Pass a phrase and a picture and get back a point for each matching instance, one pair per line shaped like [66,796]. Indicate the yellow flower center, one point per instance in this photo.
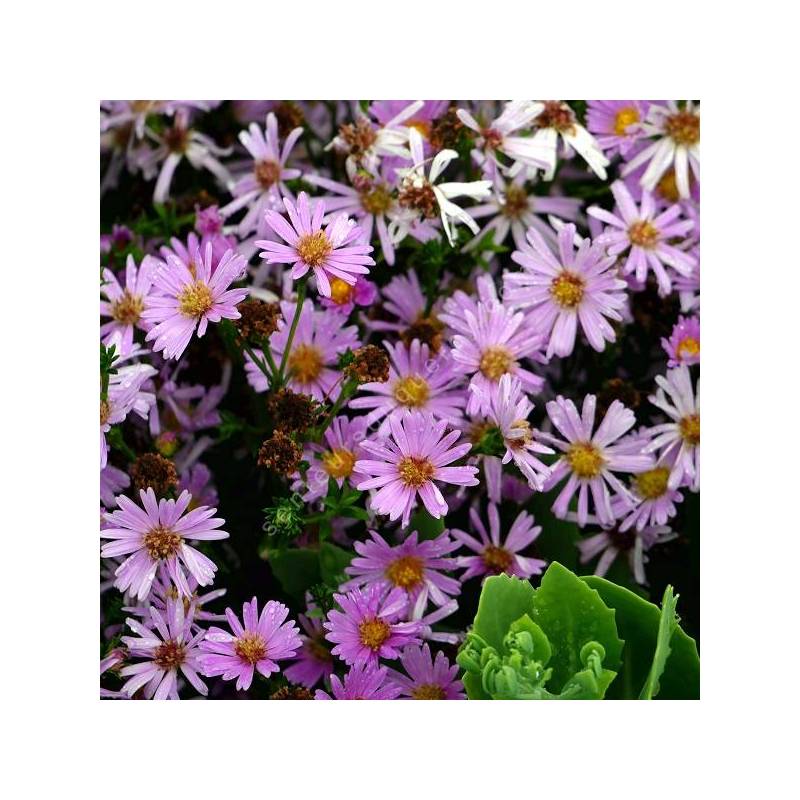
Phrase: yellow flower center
[250,647]
[567,289]
[688,347]
[625,117]
[105,411]
[520,441]
[195,300]
[428,691]
[668,186]
[495,362]
[415,471]
[690,429]
[643,233]
[405,572]
[653,483]
[497,559]
[338,463]
[128,309]
[314,248]
[412,391]
[268,173]
[421,126]
[161,542]
[305,363]
[341,291]
[516,202]
[585,459]
[169,655]
[376,201]
[373,633]
[683,128]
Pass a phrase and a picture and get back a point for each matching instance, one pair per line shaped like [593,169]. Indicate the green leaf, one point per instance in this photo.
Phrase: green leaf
[638,622]
[425,525]
[572,614]
[332,563]
[296,569]
[666,627]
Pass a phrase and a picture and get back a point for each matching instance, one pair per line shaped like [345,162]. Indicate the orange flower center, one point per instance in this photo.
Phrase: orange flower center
[415,471]
[341,291]
[585,459]
[305,363]
[161,542]
[406,572]
[625,117]
[376,201]
[643,233]
[250,647]
[428,691]
[373,633]
[268,173]
[314,248]
[105,411]
[653,483]
[515,202]
[567,289]
[688,347]
[338,463]
[683,128]
[690,429]
[496,362]
[195,300]
[169,655]
[497,559]
[412,391]
[128,309]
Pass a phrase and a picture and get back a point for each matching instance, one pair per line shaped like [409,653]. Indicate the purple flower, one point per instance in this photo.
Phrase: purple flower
[198,482]
[190,301]
[495,556]
[590,460]
[112,482]
[157,534]
[126,305]
[683,345]
[616,123]
[654,500]
[566,290]
[417,381]
[368,627]
[255,645]
[345,297]
[362,682]
[410,462]
[647,235]
[167,645]
[330,253]
[313,661]
[427,679]
[413,566]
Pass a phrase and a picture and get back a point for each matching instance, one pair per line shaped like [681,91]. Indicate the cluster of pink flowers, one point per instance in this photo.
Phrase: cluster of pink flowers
[422,395]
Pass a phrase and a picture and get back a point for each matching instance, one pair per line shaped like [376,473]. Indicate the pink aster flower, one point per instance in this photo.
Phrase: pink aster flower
[417,381]
[616,123]
[332,252]
[125,305]
[158,534]
[318,342]
[264,185]
[677,442]
[591,459]
[427,679]
[495,556]
[198,482]
[508,408]
[683,345]
[362,682]
[255,645]
[566,290]
[112,482]
[190,301]
[345,297]
[654,500]
[313,662]
[368,627]
[646,234]
[404,300]
[416,567]
[168,646]
[491,341]
[410,463]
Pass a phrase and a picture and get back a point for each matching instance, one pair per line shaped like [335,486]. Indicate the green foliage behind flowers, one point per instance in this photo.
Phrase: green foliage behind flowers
[561,642]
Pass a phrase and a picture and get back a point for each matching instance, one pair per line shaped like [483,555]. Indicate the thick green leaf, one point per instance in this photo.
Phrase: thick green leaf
[638,622]
[425,525]
[332,563]
[572,614]
[296,569]
[666,627]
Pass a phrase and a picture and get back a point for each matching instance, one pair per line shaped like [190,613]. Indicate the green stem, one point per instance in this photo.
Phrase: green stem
[347,392]
[301,296]
[270,375]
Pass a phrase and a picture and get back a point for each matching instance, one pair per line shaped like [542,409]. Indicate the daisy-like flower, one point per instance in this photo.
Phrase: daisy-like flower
[567,289]
[158,534]
[677,145]
[613,542]
[125,305]
[368,627]
[406,301]
[678,442]
[410,463]
[190,301]
[422,197]
[494,555]
[616,123]
[257,643]
[683,345]
[646,234]
[507,407]
[318,342]
[362,682]
[655,501]
[345,297]
[413,566]
[333,252]
[198,482]
[168,646]
[514,210]
[263,187]
[313,662]
[558,119]
[490,342]
[590,458]
[427,679]
[417,381]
